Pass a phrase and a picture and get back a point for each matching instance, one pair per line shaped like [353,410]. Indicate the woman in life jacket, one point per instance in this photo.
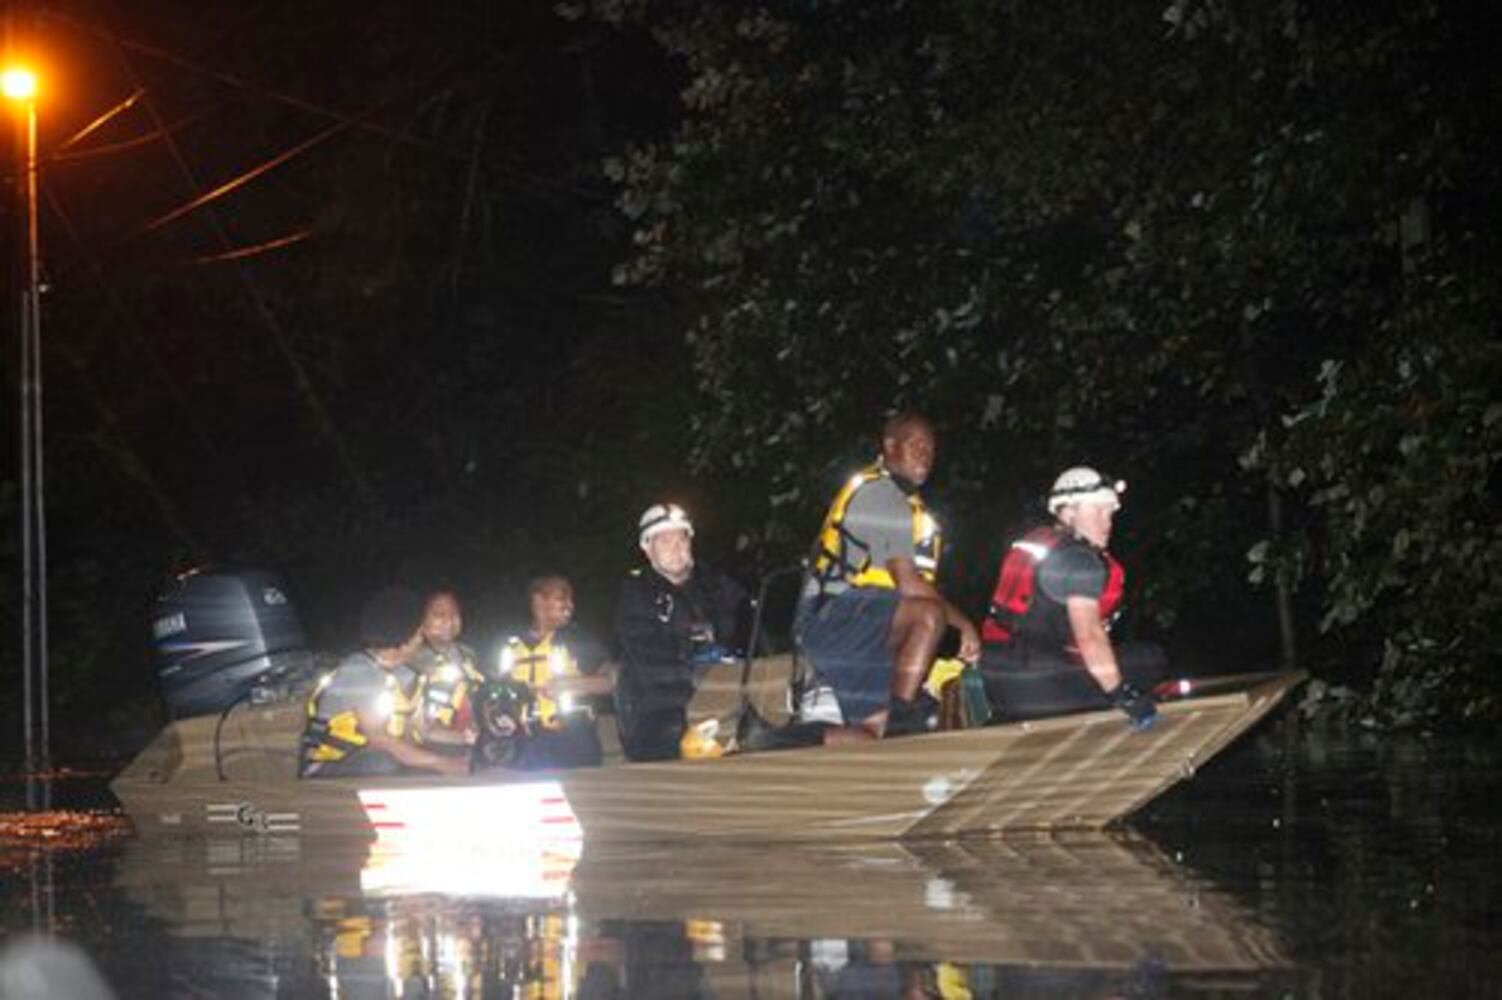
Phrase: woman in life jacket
[450,673]
[1047,644]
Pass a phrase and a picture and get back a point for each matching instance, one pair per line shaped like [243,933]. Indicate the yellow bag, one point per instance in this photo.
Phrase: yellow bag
[941,673]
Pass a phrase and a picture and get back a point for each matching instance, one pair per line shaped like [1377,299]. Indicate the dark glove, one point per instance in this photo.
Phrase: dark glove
[709,653]
[715,653]
[1140,709]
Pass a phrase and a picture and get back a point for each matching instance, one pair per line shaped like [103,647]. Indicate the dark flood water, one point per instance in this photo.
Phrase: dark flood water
[1322,866]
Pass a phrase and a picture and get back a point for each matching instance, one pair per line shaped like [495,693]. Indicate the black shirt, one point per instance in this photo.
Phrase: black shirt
[659,626]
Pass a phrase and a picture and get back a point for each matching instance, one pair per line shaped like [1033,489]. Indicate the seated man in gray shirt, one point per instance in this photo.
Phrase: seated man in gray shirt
[870,616]
[1048,649]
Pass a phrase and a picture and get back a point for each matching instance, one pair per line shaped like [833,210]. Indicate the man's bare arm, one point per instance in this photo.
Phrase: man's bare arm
[409,754]
[911,583]
[1091,640]
[602,682]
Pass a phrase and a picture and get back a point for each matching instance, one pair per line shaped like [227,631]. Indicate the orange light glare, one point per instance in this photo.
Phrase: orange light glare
[18,83]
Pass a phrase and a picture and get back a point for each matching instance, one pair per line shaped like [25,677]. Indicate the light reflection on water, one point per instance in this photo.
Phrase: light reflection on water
[1099,912]
[1348,867]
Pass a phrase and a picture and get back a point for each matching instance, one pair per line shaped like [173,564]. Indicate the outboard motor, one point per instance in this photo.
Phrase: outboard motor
[217,633]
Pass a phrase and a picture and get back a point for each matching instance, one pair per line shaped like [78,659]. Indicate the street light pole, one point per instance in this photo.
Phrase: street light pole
[20,85]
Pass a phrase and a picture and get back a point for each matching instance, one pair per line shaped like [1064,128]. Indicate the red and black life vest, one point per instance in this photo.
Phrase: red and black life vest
[1015,611]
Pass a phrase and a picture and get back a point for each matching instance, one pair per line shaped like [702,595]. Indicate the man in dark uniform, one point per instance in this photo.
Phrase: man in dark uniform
[672,617]
[1048,650]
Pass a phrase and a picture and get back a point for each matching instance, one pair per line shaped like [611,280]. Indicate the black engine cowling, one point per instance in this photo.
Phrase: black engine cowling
[217,633]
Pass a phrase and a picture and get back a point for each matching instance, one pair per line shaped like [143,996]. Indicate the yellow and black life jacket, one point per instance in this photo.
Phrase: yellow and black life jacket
[534,663]
[334,737]
[839,555]
[449,677]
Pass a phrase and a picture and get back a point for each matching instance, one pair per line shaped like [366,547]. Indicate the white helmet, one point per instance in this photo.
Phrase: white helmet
[662,517]
[1083,484]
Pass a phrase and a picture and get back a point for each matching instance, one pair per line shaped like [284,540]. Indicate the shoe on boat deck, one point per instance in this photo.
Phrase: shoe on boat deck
[905,718]
[755,733]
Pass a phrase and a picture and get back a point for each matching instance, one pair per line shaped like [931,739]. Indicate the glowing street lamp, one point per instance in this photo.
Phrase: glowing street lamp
[20,84]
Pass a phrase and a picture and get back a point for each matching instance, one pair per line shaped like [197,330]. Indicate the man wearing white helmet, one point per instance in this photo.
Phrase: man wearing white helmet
[672,614]
[1048,650]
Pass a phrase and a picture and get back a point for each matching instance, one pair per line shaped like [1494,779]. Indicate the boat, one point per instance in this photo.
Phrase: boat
[236,772]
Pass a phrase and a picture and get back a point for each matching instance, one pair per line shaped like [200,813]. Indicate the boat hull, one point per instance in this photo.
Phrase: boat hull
[1083,771]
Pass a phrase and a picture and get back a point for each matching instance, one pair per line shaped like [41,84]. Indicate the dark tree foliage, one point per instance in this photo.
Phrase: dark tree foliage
[1241,253]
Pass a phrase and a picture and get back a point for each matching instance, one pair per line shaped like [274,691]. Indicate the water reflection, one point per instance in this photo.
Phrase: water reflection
[1085,915]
